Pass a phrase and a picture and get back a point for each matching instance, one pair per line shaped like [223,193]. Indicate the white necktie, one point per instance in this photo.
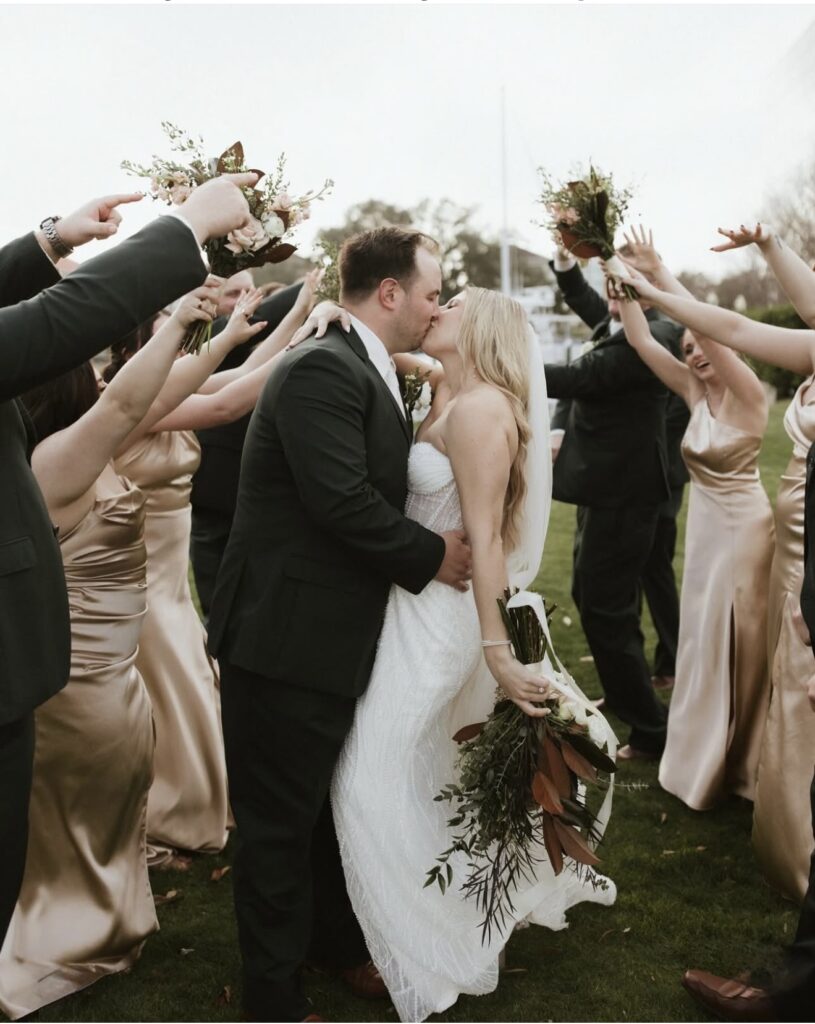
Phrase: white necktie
[392,381]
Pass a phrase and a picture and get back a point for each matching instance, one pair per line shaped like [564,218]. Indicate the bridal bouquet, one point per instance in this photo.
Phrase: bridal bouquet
[586,213]
[522,787]
[274,212]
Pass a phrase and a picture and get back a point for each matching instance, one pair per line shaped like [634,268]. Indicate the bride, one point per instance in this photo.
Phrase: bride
[481,461]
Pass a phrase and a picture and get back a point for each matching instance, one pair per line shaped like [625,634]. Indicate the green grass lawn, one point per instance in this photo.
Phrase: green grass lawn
[689,895]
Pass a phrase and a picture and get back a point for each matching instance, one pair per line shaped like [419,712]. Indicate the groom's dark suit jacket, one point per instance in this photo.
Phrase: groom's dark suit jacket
[40,339]
[614,451]
[319,535]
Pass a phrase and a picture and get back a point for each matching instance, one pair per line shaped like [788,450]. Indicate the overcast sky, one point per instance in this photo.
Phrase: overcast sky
[693,105]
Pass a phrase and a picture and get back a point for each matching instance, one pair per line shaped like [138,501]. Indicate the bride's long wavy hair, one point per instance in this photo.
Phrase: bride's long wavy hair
[494,340]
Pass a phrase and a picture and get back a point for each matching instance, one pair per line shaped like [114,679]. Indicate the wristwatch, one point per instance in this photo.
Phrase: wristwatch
[49,229]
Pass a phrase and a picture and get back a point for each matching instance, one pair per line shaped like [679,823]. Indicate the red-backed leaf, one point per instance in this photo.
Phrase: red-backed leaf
[583,250]
[592,753]
[574,845]
[578,764]
[282,252]
[468,732]
[268,254]
[218,873]
[545,793]
[167,897]
[258,172]
[552,843]
[550,761]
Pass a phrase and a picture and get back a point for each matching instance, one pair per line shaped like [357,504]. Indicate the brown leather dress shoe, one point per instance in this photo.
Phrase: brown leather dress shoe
[629,753]
[365,981]
[729,999]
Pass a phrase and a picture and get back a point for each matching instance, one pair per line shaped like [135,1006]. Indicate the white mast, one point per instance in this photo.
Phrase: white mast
[505,282]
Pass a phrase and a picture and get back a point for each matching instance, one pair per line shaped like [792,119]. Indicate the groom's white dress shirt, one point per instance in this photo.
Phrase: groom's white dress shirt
[381,359]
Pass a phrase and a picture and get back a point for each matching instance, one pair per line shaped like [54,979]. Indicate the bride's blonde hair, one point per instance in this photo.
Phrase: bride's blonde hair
[493,339]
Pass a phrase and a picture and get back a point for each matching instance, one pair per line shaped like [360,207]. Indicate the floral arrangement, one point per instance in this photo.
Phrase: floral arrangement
[585,214]
[274,212]
[522,788]
[417,393]
[329,257]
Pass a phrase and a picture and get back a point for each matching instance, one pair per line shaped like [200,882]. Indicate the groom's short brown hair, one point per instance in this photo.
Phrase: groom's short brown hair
[373,256]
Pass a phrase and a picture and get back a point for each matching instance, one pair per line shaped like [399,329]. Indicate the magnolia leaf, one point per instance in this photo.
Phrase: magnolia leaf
[550,760]
[578,764]
[574,844]
[218,873]
[224,997]
[259,173]
[545,793]
[552,843]
[592,753]
[281,253]
[234,155]
[172,896]
[468,732]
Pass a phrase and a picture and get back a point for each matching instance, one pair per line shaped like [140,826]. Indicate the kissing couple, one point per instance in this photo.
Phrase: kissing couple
[352,647]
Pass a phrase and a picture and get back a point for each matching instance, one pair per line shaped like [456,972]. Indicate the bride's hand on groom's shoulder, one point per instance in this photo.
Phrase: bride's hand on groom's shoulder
[317,323]
[519,682]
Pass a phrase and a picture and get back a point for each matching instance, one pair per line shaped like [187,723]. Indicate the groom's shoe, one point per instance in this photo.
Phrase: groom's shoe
[629,753]
[729,999]
[365,981]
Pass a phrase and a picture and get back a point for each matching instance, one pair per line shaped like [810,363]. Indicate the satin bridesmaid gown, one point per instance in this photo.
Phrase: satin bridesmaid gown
[85,907]
[782,830]
[188,807]
[719,703]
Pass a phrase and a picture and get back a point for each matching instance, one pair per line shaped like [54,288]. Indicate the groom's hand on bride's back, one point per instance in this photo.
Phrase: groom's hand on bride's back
[457,567]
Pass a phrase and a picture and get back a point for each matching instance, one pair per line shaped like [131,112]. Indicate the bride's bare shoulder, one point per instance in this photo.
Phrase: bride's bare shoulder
[482,406]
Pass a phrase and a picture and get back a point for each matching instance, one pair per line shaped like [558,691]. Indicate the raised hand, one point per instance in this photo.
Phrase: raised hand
[641,252]
[98,218]
[305,297]
[199,304]
[759,235]
[218,206]
[238,328]
[645,290]
[317,324]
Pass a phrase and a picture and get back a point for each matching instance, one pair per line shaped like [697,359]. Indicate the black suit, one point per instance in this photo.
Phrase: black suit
[318,539]
[41,338]
[613,464]
[215,483]
[795,994]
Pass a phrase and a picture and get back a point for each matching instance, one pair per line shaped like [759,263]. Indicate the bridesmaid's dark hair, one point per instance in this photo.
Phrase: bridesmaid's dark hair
[129,345]
[58,403]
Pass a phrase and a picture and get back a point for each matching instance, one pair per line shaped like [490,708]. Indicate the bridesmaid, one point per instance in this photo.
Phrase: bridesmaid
[85,907]
[188,809]
[719,702]
[782,834]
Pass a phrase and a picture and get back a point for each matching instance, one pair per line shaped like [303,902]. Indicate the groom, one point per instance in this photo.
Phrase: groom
[318,539]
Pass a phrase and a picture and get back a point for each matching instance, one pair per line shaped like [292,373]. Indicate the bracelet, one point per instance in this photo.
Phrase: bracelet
[495,643]
[60,247]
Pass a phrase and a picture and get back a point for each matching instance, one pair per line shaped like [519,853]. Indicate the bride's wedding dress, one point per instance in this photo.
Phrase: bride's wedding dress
[428,680]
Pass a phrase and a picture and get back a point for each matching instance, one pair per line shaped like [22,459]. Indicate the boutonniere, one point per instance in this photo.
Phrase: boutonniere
[418,395]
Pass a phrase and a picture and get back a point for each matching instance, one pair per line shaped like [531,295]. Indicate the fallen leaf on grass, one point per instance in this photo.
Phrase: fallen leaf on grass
[172,896]
[514,970]
[566,620]
[663,817]
[609,931]
[668,853]
[626,931]
[218,873]
[587,657]
[701,849]
[224,997]
[185,951]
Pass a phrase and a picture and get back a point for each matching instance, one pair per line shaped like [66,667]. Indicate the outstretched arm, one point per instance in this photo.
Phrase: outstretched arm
[578,294]
[68,463]
[642,256]
[673,373]
[482,441]
[782,346]
[791,272]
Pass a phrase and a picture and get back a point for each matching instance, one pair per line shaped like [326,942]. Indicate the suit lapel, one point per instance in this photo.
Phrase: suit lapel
[355,343]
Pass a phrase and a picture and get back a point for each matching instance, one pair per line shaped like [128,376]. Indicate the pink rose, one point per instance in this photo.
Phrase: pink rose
[179,193]
[249,238]
[570,216]
[282,202]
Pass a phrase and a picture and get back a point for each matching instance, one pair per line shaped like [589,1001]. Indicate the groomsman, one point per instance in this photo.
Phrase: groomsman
[792,996]
[215,483]
[613,464]
[41,337]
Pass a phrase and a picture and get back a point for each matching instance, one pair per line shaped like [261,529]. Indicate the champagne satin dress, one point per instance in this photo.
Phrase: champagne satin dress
[719,703]
[782,830]
[85,907]
[188,808]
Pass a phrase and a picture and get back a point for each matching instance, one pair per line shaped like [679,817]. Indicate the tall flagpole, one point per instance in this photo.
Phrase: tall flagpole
[505,281]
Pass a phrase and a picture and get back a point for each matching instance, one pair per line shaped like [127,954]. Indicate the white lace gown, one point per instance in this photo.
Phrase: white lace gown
[427,945]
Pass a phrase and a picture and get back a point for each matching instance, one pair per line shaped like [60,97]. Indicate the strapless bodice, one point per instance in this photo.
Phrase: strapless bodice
[432,494]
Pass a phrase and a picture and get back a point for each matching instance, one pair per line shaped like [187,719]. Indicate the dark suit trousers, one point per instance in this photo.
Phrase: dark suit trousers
[16,765]
[659,586]
[795,994]
[612,548]
[210,532]
[291,903]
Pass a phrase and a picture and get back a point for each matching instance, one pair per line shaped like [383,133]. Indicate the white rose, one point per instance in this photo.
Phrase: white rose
[273,225]
[249,238]
[580,715]
[565,711]
[597,731]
